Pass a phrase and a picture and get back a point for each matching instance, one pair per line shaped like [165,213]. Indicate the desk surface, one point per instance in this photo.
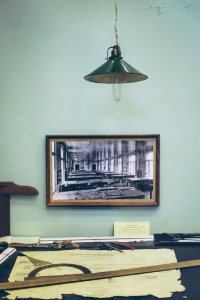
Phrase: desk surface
[190,277]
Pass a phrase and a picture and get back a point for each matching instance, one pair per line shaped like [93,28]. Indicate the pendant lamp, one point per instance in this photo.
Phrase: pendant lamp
[115,70]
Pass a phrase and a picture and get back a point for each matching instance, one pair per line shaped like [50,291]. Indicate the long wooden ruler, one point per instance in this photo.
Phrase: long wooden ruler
[61,279]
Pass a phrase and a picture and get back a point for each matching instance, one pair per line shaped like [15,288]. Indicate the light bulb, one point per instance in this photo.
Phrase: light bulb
[116,90]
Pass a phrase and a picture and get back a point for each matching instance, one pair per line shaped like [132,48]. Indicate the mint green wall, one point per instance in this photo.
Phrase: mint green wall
[46,47]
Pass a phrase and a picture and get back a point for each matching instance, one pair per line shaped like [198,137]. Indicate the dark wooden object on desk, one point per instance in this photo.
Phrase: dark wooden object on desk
[189,276]
[6,190]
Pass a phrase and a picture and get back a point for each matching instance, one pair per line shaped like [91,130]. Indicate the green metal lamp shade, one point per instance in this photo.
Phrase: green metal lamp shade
[115,69]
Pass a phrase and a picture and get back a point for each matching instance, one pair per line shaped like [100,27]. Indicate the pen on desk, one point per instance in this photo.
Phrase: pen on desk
[112,247]
[124,245]
[187,240]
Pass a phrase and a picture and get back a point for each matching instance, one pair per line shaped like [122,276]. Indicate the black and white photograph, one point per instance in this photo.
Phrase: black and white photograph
[102,170]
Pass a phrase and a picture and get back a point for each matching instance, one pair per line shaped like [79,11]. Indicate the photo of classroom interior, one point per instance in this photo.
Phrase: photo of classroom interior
[114,169]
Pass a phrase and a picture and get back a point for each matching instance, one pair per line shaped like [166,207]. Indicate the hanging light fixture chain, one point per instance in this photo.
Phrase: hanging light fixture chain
[116,20]
[115,70]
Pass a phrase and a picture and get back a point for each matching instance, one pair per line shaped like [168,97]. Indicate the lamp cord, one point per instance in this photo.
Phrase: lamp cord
[116,19]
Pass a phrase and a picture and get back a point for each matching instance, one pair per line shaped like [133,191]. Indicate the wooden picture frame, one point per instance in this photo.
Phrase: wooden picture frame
[97,170]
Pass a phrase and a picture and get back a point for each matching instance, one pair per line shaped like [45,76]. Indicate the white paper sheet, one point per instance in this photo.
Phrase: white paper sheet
[159,284]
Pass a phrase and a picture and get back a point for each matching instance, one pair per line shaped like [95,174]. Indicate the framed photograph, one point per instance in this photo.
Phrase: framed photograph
[97,170]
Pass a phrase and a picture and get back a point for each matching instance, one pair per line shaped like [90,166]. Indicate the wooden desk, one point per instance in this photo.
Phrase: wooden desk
[190,278]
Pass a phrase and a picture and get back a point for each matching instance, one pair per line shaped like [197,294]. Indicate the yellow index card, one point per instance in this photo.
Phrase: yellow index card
[131,228]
